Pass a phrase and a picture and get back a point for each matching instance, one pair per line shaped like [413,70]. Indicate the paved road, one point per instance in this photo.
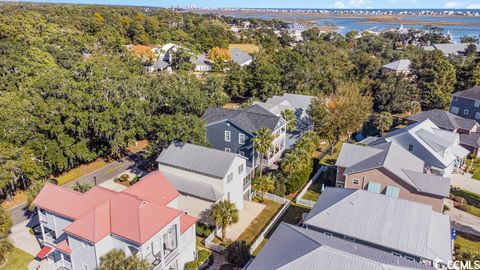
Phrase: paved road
[20,213]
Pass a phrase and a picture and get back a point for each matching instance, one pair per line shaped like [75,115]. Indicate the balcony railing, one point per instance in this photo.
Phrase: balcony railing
[172,255]
[246,183]
[42,218]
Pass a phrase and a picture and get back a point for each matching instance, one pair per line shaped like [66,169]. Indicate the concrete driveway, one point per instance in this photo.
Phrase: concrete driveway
[466,182]
[22,239]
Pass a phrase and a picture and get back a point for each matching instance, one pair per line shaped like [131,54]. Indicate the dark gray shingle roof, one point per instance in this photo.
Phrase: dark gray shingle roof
[250,119]
[198,159]
[291,248]
[444,119]
[472,93]
[472,139]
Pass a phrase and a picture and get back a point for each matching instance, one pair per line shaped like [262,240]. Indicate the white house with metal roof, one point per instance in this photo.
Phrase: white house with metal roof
[440,149]
[403,228]
[399,66]
[204,176]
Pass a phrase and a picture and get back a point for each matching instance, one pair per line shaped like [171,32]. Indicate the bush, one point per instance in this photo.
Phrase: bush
[299,178]
[238,253]
[199,229]
[445,208]
[207,232]
[203,256]
[124,178]
[135,179]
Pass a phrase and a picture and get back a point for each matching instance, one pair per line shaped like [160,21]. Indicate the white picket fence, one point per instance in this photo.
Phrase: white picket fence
[271,197]
[304,202]
[212,246]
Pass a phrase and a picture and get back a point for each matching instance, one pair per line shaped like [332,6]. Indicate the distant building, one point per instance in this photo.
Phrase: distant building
[451,48]
[466,103]
[203,64]
[204,176]
[233,131]
[143,221]
[401,66]
[240,57]
[391,170]
[356,229]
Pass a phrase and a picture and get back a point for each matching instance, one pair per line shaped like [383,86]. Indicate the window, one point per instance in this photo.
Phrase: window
[410,258]
[241,138]
[228,150]
[374,187]
[229,177]
[84,266]
[465,112]
[454,110]
[396,254]
[477,103]
[410,147]
[328,234]
[355,181]
[43,212]
[241,153]
[454,98]
[392,192]
[240,169]
[228,136]
[85,244]
[477,115]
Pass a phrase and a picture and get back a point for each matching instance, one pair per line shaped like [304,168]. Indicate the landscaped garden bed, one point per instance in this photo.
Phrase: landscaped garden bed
[466,201]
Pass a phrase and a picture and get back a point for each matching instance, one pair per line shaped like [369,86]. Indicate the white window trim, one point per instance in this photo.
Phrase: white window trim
[454,110]
[477,103]
[228,137]
[454,98]
[241,138]
[465,112]
[355,180]
[477,115]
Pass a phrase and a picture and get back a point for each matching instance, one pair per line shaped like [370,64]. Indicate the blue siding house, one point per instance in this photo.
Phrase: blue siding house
[466,103]
[233,130]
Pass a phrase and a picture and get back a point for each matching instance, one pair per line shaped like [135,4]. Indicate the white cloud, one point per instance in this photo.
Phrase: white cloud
[465,4]
[339,4]
[359,3]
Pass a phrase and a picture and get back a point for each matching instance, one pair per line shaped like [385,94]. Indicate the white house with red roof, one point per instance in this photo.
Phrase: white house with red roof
[143,220]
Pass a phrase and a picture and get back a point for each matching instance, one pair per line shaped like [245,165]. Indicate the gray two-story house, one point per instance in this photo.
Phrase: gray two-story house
[233,130]
[466,103]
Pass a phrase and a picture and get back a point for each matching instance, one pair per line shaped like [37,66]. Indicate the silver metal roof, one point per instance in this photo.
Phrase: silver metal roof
[199,159]
[240,57]
[401,225]
[293,248]
[189,186]
[400,65]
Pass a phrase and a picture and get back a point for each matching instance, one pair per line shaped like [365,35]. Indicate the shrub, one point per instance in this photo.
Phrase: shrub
[199,229]
[238,253]
[135,179]
[124,178]
[299,178]
[207,232]
[445,208]
[203,256]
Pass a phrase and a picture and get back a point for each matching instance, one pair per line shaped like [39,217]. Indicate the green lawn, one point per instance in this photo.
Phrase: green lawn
[257,225]
[472,199]
[476,169]
[330,159]
[17,259]
[466,242]
[313,191]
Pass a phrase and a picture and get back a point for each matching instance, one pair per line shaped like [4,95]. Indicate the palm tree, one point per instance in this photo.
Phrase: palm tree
[135,263]
[82,187]
[383,122]
[114,259]
[289,116]
[225,214]
[5,248]
[263,143]
[263,184]
[289,163]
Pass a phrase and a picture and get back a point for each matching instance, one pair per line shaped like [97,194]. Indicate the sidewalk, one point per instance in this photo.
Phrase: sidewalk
[468,223]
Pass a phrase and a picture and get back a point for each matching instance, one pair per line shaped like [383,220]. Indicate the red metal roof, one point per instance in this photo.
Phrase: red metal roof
[136,214]
[186,222]
[64,247]
[42,254]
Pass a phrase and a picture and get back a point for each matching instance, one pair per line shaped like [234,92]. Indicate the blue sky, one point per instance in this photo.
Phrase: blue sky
[451,4]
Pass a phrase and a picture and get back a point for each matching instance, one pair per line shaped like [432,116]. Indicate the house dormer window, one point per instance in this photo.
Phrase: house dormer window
[465,112]
[454,98]
[477,103]
[410,147]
